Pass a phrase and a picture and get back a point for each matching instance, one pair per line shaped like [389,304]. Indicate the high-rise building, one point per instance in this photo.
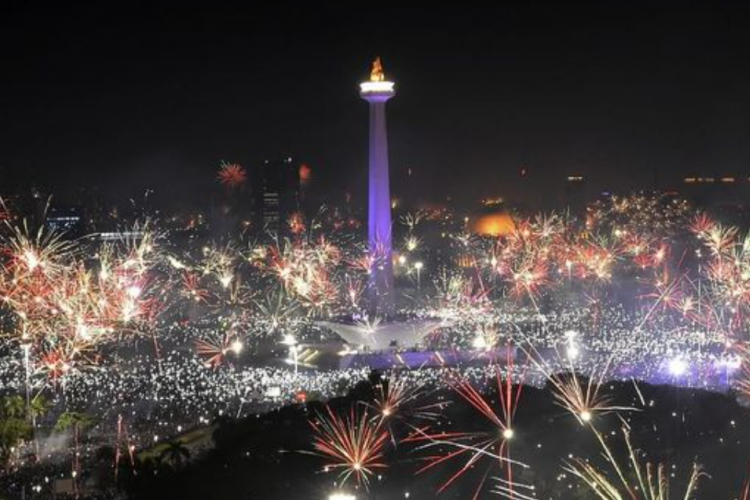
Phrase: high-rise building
[712,191]
[276,191]
[576,195]
[376,92]
[65,220]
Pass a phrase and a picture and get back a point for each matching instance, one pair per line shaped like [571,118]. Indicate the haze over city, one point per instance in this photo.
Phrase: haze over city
[133,95]
[369,251]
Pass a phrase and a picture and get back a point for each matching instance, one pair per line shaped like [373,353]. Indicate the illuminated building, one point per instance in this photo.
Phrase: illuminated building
[276,189]
[376,92]
[576,195]
[66,220]
[716,191]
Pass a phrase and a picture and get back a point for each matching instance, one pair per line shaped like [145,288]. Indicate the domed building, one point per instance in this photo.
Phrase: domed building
[492,220]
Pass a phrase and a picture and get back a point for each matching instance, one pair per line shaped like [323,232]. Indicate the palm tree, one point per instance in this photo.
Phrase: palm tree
[38,407]
[78,422]
[35,408]
[13,407]
[12,432]
[14,428]
[175,453]
[75,420]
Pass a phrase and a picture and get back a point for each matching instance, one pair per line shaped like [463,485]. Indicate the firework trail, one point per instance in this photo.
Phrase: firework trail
[471,448]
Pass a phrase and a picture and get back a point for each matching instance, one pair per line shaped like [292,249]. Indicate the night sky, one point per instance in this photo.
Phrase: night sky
[130,95]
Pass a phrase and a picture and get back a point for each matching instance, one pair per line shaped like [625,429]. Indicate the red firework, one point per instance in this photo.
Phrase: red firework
[702,224]
[398,400]
[232,175]
[192,288]
[529,277]
[473,448]
[296,223]
[215,351]
[305,174]
[354,445]
[59,362]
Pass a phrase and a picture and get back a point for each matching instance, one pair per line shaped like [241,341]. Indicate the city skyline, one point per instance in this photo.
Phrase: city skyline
[628,96]
[233,266]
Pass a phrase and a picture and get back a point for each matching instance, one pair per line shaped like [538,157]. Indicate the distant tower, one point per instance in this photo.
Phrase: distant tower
[377,91]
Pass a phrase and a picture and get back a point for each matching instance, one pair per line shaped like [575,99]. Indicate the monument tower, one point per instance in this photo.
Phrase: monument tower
[377,91]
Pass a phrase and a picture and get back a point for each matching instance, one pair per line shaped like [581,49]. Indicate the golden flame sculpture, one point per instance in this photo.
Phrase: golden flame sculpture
[377,74]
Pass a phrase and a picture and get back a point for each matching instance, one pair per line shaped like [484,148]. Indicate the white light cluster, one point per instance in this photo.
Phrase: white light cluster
[374,87]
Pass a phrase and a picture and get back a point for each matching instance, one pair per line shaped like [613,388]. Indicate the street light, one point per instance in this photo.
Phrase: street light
[678,367]
[418,266]
[237,347]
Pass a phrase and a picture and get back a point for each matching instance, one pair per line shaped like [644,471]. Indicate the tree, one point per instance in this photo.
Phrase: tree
[13,407]
[175,454]
[38,406]
[14,428]
[73,420]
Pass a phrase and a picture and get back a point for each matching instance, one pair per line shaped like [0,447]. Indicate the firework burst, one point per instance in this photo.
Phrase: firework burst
[472,448]
[584,398]
[650,483]
[353,445]
[215,351]
[397,399]
[232,175]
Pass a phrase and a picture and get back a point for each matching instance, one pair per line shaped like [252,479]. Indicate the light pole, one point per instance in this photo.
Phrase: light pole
[418,266]
[290,341]
[26,346]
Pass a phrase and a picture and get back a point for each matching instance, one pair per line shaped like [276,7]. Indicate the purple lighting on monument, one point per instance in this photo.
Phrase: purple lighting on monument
[376,92]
